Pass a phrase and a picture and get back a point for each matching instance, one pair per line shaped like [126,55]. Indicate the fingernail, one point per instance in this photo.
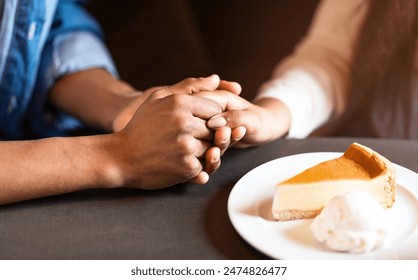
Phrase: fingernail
[217,122]
[243,131]
[205,178]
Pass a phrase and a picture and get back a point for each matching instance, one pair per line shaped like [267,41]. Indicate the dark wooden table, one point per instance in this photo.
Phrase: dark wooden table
[181,222]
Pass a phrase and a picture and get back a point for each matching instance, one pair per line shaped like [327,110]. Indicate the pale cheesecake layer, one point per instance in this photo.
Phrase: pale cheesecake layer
[360,168]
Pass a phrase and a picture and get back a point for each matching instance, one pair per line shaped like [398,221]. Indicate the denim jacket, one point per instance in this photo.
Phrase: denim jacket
[40,41]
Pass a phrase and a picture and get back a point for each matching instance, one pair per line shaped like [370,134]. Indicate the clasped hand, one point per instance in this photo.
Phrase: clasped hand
[178,133]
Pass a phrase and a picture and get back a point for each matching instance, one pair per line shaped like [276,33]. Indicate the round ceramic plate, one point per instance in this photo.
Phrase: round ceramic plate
[249,209]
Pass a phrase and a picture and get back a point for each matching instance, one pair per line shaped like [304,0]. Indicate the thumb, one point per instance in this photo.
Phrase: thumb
[233,87]
[192,85]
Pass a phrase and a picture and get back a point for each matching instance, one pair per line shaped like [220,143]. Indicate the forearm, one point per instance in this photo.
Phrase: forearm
[93,96]
[32,169]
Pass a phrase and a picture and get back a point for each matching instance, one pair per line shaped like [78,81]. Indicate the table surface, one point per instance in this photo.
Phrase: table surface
[181,222]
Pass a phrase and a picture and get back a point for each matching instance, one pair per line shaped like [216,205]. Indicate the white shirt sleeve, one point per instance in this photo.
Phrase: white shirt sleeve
[310,106]
[312,81]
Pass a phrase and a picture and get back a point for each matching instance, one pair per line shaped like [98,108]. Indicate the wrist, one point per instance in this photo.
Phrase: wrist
[120,100]
[107,160]
[83,162]
[123,116]
[278,115]
[93,96]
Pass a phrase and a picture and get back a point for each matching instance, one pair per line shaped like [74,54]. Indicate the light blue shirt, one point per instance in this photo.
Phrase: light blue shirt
[41,41]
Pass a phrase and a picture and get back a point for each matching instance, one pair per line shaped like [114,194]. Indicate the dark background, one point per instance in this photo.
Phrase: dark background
[160,42]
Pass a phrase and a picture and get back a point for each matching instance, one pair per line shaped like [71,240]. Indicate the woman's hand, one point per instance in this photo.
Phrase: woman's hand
[264,121]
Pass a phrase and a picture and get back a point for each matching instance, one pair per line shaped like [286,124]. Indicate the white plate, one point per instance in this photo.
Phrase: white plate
[249,206]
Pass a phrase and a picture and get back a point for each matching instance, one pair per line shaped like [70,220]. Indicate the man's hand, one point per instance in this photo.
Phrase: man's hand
[224,137]
[166,140]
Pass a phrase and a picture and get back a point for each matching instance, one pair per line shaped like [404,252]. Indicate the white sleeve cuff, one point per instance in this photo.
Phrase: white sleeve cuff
[309,104]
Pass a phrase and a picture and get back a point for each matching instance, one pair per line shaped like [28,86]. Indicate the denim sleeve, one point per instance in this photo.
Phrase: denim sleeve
[75,43]
[72,52]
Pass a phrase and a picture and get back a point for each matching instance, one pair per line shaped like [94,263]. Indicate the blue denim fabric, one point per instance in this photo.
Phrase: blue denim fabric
[40,41]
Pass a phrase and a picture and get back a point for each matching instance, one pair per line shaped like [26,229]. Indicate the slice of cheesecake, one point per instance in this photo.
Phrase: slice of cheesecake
[360,168]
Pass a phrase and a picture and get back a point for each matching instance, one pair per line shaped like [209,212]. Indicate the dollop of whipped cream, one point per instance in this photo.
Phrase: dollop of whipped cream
[354,222]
